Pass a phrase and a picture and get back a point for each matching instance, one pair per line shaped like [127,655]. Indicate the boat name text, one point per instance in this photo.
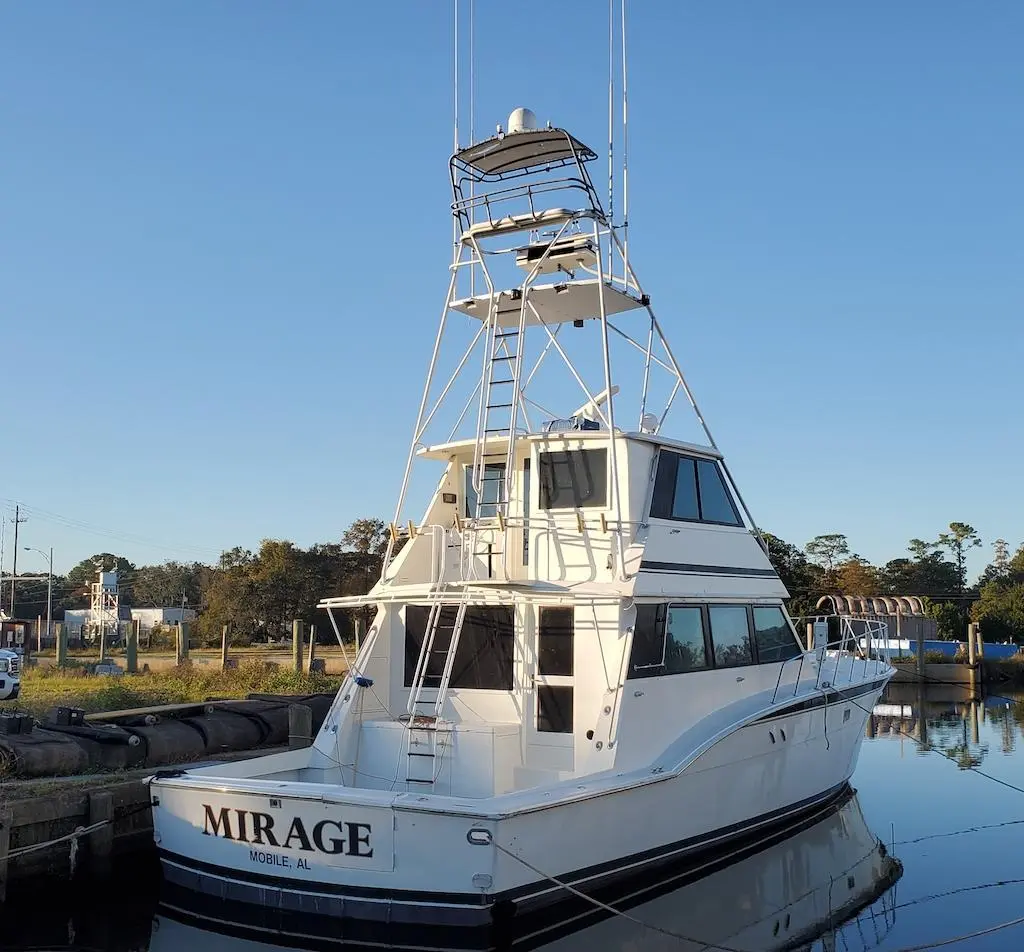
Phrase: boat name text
[326,836]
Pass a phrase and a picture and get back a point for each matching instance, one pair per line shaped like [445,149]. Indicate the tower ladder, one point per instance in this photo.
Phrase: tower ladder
[426,726]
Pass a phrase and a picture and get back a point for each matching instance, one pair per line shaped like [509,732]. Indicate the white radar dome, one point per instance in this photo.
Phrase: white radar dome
[521,120]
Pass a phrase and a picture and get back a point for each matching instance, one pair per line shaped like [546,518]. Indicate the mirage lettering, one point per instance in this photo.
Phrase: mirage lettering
[333,837]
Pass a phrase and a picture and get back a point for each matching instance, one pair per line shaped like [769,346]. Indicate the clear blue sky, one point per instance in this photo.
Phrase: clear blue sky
[202,348]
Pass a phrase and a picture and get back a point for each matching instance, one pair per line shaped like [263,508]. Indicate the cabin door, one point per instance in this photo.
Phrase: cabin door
[549,708]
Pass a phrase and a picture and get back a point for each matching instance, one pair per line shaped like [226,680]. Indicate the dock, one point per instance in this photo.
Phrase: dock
[81,822]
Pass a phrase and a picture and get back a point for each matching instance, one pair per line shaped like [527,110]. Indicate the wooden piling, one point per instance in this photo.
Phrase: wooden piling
[300,725]
[181,643]
[920,648]
[61,646]
[297,626]
[311,653]
[131,648]
[225,637]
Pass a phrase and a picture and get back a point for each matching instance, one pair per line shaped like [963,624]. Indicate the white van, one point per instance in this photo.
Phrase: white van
[10,674]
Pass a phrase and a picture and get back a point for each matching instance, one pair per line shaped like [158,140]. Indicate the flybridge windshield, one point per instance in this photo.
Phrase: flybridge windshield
[692,490]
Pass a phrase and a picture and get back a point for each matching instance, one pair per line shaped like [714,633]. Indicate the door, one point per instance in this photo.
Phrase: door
[550,708]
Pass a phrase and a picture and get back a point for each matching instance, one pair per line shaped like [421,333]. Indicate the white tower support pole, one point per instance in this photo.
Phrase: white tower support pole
[612,457]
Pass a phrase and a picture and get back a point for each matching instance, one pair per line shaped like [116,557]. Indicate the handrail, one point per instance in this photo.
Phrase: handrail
[849,644]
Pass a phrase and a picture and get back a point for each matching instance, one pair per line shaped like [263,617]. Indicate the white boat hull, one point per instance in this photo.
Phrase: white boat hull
[370,859]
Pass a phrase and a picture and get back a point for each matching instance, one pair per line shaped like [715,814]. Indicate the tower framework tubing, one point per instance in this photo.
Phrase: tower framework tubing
[517,372]
[488,368]
[606,359]
[463,207]
[418,430]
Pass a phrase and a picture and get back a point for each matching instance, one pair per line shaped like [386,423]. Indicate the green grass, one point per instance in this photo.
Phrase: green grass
[45,688]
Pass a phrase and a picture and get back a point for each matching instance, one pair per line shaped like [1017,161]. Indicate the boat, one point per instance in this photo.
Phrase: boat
[580,667]
[827,878]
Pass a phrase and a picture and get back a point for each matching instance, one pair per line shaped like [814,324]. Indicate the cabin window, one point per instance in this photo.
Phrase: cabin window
[774,637]
[554,709]
[647,656]
[684,640]
[492,491]
[554,641]
[668,640]
[730,634]
[573,479]
[691,490]
[483,659]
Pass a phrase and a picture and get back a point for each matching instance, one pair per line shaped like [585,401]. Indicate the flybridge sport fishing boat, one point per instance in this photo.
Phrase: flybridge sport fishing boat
[580,667]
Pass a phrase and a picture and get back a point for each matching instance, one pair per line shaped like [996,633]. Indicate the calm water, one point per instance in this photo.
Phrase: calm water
[944,867]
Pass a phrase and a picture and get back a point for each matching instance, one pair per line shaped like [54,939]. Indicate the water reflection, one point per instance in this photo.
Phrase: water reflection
[827,884]
[954,719]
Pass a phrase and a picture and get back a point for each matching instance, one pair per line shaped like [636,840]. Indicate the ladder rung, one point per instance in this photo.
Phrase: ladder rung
[498,406]
[414,780]
[504,357]
[416,753]
[512,333]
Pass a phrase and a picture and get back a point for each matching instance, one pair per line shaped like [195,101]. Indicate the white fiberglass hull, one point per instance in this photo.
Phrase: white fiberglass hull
[375,859]
[806,881]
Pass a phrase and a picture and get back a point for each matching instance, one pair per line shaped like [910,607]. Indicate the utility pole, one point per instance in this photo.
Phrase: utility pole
[17,520]
[49,592]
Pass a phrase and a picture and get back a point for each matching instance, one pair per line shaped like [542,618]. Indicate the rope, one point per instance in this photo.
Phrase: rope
[963,938]
[607,908]
[79,831]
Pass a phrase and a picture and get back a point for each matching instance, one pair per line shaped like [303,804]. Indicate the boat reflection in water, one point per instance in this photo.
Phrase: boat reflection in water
[828,879]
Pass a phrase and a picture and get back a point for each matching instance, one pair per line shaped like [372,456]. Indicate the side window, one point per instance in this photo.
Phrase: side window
[573,479]
[684,640]
[730,635]
[691,490]
[647,656]
[492,491]
[775,641]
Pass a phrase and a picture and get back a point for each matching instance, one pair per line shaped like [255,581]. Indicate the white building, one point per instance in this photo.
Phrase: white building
[149,618]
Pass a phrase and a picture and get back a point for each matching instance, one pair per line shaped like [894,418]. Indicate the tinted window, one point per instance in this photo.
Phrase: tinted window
[526,512]
[492,491]
[684,640]
[715,504]
[775,641]
[684,500]
[730,634]
[572,479]
[554,709]
[647,656]
[691,489]
[483,659]
[554,641]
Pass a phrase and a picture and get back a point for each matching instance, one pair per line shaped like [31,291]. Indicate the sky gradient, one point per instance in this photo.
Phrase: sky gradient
[203,345]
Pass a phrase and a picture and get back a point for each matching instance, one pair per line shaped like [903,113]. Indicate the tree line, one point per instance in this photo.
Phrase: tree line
[935,570]
[259,593]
